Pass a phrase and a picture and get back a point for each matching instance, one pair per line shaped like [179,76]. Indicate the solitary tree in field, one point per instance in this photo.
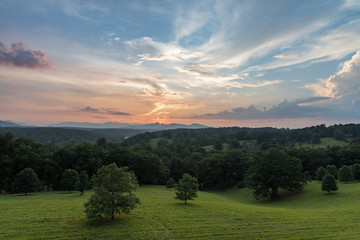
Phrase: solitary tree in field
[114,189]
[83,182]
[26,181]
[345,174]
[356,171]
[69,179]
[320,173]
[329,183]
[273,169]
[187,188]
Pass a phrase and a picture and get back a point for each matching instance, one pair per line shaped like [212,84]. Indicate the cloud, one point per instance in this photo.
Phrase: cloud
[284,110]
[284,56]
[345,83]
[100,117]
[89,109]
[19,56]
[238,39]
[204,72]
[149,50]
[83,10]
[351,4]
[342,89]
[118,113]
[101,111]
[191,19]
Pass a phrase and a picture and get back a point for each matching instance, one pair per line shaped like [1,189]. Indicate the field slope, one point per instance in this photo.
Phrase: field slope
[229,214]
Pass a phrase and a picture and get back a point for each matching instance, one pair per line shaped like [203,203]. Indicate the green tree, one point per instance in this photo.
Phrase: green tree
[234,143]
[69,179]
[114,189]
[6,162]
[345,174]
[187,188]
[170,183]
[320,173]
[329,183]
[149,168]
[356,171]
[273,169]
[218,145]
[315,138]
[26,181]
[331,169]
[83,182]
[339,135]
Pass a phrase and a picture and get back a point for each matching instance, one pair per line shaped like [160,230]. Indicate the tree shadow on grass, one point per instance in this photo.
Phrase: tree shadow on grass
[119,220]
[188,205]
[283,196]
[331,193]
[23,195]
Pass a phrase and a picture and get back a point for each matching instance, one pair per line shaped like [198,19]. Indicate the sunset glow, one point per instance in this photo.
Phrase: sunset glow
[218,63]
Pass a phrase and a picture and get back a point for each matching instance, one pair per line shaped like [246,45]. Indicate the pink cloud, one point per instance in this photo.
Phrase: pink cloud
[19,56]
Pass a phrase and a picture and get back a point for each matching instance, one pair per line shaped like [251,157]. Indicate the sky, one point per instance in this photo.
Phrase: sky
[247,63]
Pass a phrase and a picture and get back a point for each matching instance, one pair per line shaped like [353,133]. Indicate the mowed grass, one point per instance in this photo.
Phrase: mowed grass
[228,214]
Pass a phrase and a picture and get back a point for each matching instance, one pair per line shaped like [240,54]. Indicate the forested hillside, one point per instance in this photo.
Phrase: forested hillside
[54,135]
[216,156]
[282,137]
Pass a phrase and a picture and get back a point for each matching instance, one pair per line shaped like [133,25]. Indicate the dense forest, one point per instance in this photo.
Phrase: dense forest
[215,156]
[61,135]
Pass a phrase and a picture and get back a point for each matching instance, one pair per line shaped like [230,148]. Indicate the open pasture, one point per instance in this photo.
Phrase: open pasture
[227,214]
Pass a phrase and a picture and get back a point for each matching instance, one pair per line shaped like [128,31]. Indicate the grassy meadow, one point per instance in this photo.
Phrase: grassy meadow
[227,214]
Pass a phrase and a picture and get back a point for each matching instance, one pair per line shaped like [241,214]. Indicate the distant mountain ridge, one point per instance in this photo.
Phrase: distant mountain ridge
[150,127]
[9,124]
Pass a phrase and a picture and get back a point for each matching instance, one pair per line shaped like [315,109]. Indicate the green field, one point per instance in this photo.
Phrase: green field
[228,214]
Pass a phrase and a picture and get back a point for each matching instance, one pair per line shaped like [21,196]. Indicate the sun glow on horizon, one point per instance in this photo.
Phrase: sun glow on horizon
[180,62]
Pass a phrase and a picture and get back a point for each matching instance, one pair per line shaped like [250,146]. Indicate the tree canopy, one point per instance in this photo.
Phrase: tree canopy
[26,181]
[69,179]
[345,174]
[187,188]
[114,189]
[83,182]
[273,169]
[320,173]
[329,183]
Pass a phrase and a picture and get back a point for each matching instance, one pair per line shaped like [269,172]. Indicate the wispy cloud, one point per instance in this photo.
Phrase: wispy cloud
[191,19]
[149,50]
[82,10]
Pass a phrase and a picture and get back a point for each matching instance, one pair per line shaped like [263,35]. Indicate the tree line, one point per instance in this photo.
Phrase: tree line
[156,157]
